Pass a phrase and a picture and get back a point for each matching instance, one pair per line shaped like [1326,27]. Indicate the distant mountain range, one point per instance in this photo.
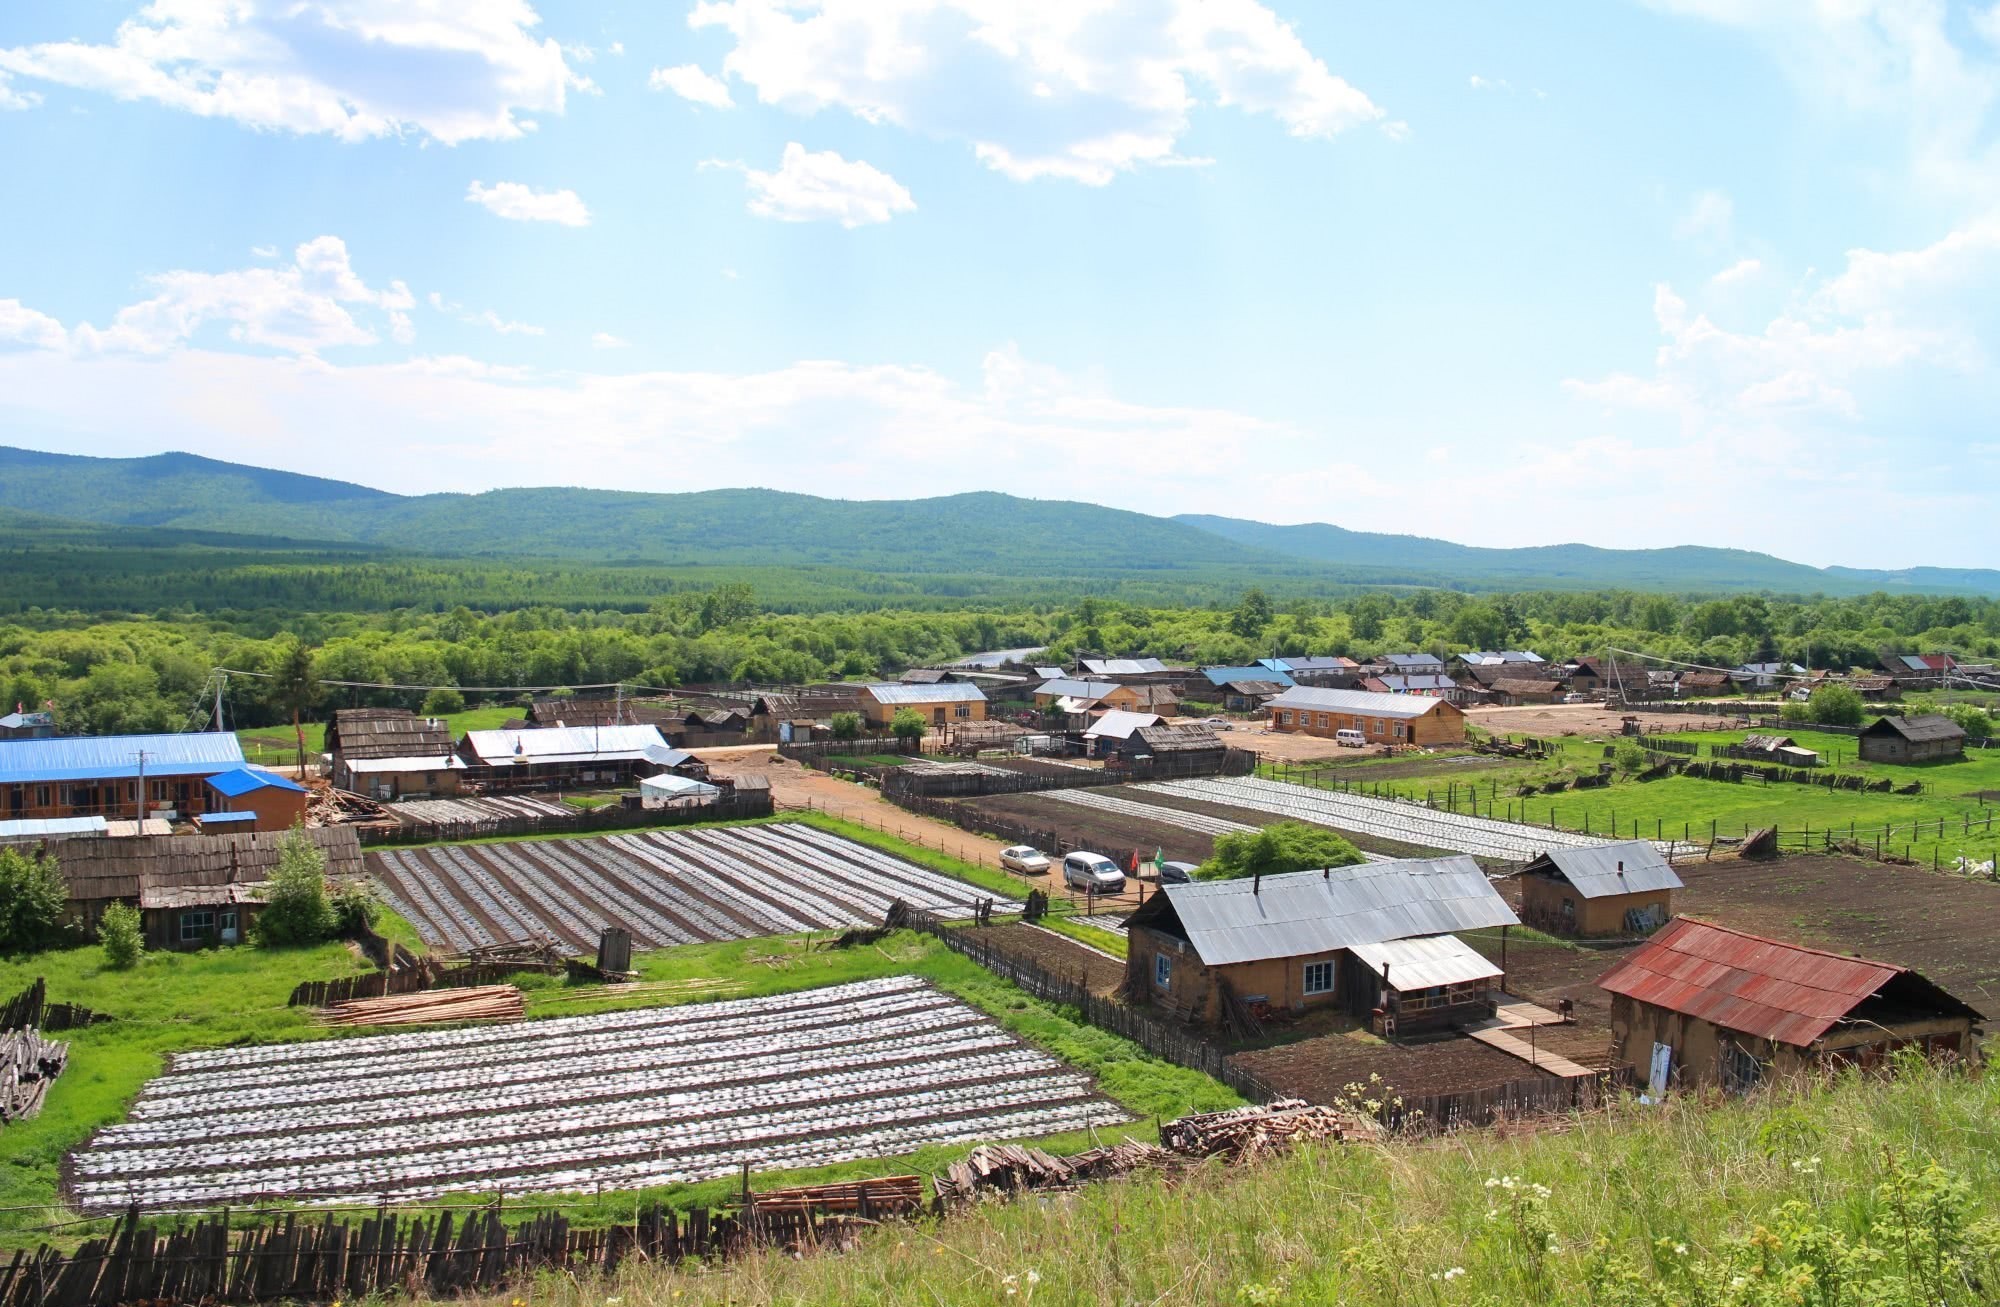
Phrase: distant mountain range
[969,534]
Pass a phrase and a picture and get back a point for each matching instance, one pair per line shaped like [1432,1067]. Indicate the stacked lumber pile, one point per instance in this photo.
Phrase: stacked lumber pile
[478,1003]
[522,953]
[1007,1170]
[327,806]
[1247,1132]
[889,1195]
[29,1064]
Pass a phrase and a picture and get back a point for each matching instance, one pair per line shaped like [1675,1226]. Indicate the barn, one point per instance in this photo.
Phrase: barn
[1376,936]
[1626,888]
[1702,1005]
[1381,718]
[1926,738]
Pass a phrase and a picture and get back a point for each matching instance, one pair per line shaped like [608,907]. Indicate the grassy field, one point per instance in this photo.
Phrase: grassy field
[1862,1192]
[1105,941]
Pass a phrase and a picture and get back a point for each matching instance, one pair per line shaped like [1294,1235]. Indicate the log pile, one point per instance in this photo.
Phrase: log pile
[327,806]
[1007,1170]
[1247,1132]
[478,1003]
[889,1195]
[29,1064]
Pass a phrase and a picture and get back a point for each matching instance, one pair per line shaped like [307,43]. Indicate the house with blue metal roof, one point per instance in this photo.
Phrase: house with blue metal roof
[101,775]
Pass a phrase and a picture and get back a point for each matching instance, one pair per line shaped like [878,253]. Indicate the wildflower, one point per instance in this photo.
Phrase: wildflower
[1680,1250]
[1033,1276]
[1010,1285]
[1454,1273]
[1554,1247]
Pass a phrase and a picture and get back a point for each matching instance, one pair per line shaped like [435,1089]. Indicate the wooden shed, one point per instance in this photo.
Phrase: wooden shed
[1703,1005]
[391,753]
[1606,890]
[1927,738]
[100,871]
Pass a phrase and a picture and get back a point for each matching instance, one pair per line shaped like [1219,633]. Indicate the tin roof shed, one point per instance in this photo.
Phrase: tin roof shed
[1607,870]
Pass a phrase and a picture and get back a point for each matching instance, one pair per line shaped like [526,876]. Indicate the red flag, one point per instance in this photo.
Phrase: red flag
[1135,862]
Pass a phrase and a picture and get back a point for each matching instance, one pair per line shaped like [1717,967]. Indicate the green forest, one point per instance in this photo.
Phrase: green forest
[134,671]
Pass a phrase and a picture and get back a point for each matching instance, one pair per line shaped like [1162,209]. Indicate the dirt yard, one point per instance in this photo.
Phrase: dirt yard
[1587,719]
[1318,1068]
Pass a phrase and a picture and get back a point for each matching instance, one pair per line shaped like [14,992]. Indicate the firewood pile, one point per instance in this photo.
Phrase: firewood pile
[889,1195]
[29,1064]
[1008,1170]
[517,953]
[428,1007]
[1246,1132]
[328,806]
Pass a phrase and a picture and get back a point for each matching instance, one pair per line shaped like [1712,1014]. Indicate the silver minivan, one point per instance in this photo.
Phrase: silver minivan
[1092,873]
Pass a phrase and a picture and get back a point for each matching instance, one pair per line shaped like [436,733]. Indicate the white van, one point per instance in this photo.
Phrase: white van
[1093,873]
[1350,739]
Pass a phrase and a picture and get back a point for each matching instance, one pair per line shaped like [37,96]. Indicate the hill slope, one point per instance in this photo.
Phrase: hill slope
[981,534]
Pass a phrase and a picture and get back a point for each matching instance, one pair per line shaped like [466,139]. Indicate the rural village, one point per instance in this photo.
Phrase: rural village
[1512,921]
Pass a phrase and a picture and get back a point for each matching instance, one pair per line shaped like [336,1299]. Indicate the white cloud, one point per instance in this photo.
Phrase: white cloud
[822,187]
[1738,272]
[453,70]
[13,99]
[263,251]
[692,82]
[605,340]
[21,326]
[302,309]
[521,203]
[616,47]
[1083,89]
[483,318]
[1490,83]
[1710,219]
[1875,282]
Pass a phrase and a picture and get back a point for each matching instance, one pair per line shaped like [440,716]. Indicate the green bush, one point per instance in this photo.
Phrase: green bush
[355,909]
[1286,846]
[297,910]
[908,725]
[32,898]
[845,725]
[1973,720]
[443,701]
[1836,705]
[123,940]
[1628,757]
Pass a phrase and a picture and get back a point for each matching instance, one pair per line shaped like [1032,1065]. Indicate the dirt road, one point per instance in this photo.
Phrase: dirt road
[1588,719]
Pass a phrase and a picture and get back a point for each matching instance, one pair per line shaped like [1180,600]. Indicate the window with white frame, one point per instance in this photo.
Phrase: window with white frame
[1319,978]
[1284,719]
[1374,725]
[1163,970]
[1402,729]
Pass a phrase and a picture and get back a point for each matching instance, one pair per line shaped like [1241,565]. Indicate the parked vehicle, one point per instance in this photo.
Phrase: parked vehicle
[1222,722]
[1576,698]
[1177,873]
[1026,859]
[1093,873]
[1350,739]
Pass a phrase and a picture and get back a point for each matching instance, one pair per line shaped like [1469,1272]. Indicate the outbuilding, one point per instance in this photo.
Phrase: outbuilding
[391,753]
[1930,737]
[250,798]
[1703,1005]
[1626,888]
[1381,718]
[1375,936]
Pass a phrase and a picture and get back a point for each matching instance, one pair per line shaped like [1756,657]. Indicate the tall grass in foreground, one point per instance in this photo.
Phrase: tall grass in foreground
[1853,1194]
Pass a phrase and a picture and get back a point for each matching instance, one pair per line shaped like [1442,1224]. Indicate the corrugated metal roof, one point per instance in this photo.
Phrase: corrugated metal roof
[428,762]
[208,819]
[88,757]
[1310,663]
[1121,666]
[677,787]
[1318,911]
[952,693]
[39,828]
[556,744]
[1120,725]
[1225,675]
[245,780]
[1069,687]
[1411,660]
[1595,870]
[1426,684]
[1048,673]
[1357,701]
[1430,960]
[1746,983]
[1488,658]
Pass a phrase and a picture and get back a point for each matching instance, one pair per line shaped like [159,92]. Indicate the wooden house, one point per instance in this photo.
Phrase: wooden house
[939,705]
[1405,664]
[1930,737]
[1875,689]
[1329,670]
[1117,732]
[1919,671]
[1381,718]
[1702,1005]
[101,775]
[564,756]
[1367,938]
[1703,685]
[190,889]
[252,799]
[391,753]
[1604,890]
[1250,696]
[1442,687]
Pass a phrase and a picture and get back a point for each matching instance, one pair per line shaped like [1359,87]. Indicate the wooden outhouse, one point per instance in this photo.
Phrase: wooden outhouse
[1605,890]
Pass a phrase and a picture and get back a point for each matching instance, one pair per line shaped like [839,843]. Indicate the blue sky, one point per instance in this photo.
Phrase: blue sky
[1687,271]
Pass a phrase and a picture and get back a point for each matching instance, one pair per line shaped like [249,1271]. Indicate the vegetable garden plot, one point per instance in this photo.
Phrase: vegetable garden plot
[1410,823]
[666,887]
[614,1100]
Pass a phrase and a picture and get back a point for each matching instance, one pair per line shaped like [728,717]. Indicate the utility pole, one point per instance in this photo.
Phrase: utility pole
[142,791]
[221,681]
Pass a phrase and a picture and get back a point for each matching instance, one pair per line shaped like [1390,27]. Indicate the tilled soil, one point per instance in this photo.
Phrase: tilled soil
[1317,1069]
[1063,956]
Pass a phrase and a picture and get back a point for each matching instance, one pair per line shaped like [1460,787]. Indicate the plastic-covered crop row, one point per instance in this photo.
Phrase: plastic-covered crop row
[1199,823]
[667,888]
[610,1100]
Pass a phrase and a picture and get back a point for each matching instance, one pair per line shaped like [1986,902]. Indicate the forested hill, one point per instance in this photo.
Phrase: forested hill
[970,535]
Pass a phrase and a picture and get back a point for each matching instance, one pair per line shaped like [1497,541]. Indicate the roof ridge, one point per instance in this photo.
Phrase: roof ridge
[1688,919]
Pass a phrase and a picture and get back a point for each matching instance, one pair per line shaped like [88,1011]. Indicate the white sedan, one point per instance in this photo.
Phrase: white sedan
[1026,859]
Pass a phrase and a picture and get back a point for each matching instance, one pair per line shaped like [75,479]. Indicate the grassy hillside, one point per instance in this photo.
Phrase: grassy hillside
[1865,1192]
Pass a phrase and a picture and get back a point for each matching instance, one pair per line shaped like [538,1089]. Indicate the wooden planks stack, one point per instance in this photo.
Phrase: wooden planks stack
[29,1064]
[480,1003]
[1004,1170]
[1247,1132]
[889,1195]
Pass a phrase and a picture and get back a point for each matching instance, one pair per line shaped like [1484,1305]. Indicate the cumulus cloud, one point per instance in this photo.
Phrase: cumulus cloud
[13,99]
[453,70]
[1490,83]
[486,318]
[23,327]
[1738,272]
[692,82]
[1082,89]
[822,187]
[605,340]
[520,203]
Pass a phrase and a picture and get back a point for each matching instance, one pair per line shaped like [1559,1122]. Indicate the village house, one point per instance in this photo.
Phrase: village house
[1118,669]
[1243,689]
[100,776]
[1250,696]
[940,705]
[391,753]
[1926,738]
[1875,689]
[1592,674]
[1919,671]
[1702,1005]
[191,890]
[1405,664]
[1442,687]
[1766,676]
[1703,685]
[20,725]
[1331,671]
[1191,747]
[252,799]
[1079,698]
[1367,938]
[564,756]
[1626,888]
[1117,731]
[1381,718]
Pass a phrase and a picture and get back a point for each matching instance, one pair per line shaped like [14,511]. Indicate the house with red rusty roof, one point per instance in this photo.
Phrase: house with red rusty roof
[1701,1004]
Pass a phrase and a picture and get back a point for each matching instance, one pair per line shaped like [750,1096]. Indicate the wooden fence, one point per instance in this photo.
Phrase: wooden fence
[729,807]
[1032,780]
[813,753]
[324,1259]
[31,1008]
